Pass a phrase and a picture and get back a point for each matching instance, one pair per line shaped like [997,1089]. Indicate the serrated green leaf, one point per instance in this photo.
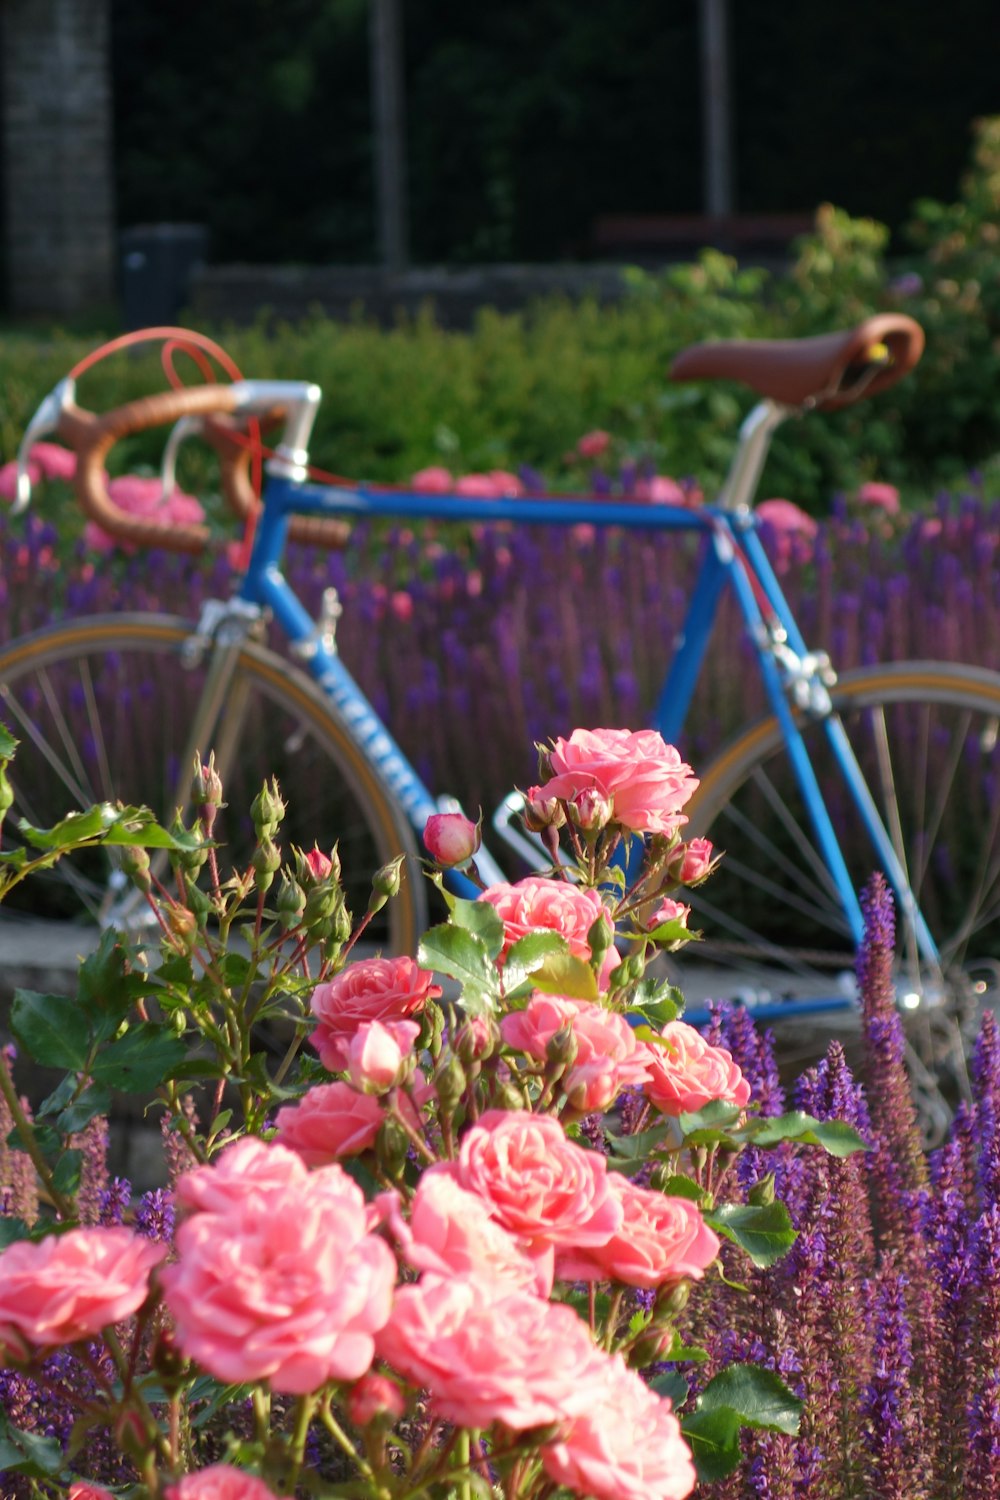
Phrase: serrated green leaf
[692,1354]
[29,1453]
[641,1146]
[482,919]
[59,1098]
[462,956]
[528,954]
[51,1029]
[764,1232]
[680,1186]
[48,1140]
[714,1440]
[105,989]
[759,1397]
[835,1136]
[108,824]
[91,1103]
[8,744]
[138,1061]
[565,974]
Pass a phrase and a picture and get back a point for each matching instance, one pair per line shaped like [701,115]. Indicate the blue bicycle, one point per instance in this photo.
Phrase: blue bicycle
[893,767]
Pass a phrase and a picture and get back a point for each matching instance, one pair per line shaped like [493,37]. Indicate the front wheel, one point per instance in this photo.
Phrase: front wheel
[103,709]
[926,737]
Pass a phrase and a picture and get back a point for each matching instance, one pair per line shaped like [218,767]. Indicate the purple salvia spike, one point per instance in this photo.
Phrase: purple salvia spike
[886,1399]
[154,1216]
[114,1201]
[93,1143]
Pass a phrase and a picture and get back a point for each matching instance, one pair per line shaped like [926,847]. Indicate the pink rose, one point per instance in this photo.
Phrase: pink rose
[608,1056]
[786,516]
[885,496]
[538,904]
[244,1175]
[691,862]
[332,1121]
[55,461]
[660,1240]
[626,1444]
[450,1232]
[451,838]
[593,444]
[507,484]
[138,496]
[432,481]
[534,1181]
[88,1492]
[374,1398]
[645,778]
[70,1286]
[8,478]
[220,1482]
[482,486]
[671,911]
[373,989]
[377,1052]
[688,1073]
[487,1357]
[661,490]
[287,1286]
[319,865]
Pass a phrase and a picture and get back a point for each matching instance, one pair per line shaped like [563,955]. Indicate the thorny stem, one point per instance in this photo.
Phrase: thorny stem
[413,1136]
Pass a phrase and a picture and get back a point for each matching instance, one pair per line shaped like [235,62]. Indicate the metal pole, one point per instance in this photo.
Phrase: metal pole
[389,133]
[716,113]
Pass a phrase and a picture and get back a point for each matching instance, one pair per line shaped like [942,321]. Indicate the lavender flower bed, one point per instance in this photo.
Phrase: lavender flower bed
[472,648]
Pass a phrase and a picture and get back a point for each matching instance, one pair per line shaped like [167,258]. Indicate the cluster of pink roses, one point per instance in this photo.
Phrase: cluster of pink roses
[632,777]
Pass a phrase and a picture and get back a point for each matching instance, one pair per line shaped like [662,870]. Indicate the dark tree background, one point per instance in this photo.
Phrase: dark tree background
[529,119]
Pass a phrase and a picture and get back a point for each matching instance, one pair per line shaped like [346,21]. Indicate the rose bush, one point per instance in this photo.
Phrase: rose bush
[476,1306]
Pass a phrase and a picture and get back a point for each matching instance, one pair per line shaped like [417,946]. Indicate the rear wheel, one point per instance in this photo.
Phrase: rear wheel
[103,709]
[926,736]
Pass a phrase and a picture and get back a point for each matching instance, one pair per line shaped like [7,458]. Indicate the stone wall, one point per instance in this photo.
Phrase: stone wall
[58,211]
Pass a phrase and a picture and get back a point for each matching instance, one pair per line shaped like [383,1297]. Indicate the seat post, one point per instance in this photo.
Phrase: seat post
[752,447]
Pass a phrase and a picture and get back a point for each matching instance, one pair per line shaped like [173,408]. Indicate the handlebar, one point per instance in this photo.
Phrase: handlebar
[220,407]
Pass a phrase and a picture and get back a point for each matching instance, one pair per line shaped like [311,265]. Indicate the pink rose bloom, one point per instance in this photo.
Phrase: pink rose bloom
[669,911]
[332,1121]
[401,605]
[506,483]
[626,1445]
[534,1181]
[244,1175]
[288,1287]
[55,461]
[319,865]
[220,1482]
[538,904]
[450,1232]
[373,989]
[593,444]
[486,1358]
[786,516]
[885,496]
[660,490]
[138,496]
[433,481]
[451,838]
[88,1492]
[482,486]
[608,1056]
[646,778]
[376,1054]
[374,1397]
[689,1073]
[70,1286]
[661,1240]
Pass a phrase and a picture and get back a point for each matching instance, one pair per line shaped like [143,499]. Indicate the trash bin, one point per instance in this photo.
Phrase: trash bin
[157,264]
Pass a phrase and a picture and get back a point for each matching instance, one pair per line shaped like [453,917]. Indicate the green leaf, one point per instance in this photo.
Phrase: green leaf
[105,989]
[672,1385]
[482,919]
[91,1103]
[714,1439]
[759,1397]
[716,1115]
[108,824]
[28,1453]
[66,1174]
[59,1098]
[140,1060]
[835,1136]
[680,1186]
[48,1140]
[462,956]
[527,955]
[656,1002]
[11,1230]
[51,1028]
[8,744]
[690,1353]
[639,1147]
[764,1232]
[565,974]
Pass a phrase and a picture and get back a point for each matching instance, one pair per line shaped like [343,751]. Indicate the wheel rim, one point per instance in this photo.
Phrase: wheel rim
[101,712]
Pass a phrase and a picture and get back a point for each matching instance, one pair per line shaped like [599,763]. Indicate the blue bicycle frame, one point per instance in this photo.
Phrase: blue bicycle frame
[733,558]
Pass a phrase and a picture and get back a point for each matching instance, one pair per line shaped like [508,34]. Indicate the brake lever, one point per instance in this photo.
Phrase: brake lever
[45,420]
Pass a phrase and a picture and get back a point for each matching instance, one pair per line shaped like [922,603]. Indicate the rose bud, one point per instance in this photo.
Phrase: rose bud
[691,862]
[375,1398]
[451,838]
[541,811]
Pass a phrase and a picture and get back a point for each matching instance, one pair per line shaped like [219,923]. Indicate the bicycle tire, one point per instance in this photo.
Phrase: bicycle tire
[101,708]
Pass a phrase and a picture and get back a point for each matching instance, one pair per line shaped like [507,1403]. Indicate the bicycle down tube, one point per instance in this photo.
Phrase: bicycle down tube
[733,557]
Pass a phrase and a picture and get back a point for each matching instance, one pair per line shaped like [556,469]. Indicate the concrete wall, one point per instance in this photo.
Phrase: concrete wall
[58,211]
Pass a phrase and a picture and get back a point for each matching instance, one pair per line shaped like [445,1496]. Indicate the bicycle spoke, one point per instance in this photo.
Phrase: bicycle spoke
[824,891]
[81,794]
